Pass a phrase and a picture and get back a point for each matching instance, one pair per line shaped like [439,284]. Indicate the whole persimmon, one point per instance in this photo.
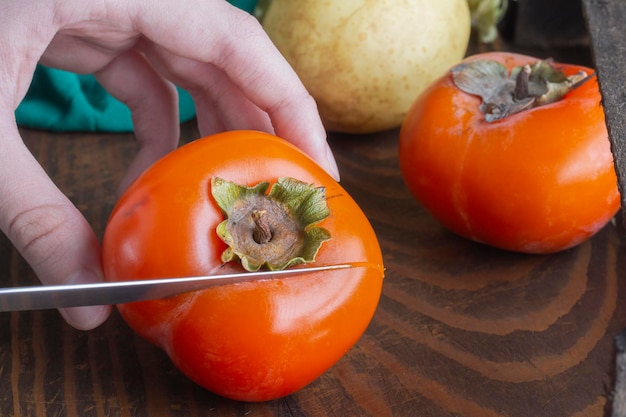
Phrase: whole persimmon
[512,151]
[240,201]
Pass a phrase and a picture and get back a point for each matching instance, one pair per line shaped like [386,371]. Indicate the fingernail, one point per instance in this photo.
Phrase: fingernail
[87,317]
[332,164]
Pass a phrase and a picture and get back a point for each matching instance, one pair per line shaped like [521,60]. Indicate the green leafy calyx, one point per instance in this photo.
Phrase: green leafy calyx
[272,230]
[525,87]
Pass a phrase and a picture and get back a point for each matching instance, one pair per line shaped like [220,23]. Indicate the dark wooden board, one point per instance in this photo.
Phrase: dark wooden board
[606,20]
[607,24]
[461,329]
[554,23]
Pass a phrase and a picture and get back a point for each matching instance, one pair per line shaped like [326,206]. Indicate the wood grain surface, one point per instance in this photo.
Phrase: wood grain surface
[606,32]
[461,330]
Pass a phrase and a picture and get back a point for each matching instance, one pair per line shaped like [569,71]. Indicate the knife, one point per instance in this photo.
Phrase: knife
[41,297]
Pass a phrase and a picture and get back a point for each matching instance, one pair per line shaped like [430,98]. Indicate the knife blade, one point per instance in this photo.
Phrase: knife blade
[41,297]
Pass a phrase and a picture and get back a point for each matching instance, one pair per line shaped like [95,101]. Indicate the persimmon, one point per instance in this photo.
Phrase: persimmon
[246,199]
[513,152]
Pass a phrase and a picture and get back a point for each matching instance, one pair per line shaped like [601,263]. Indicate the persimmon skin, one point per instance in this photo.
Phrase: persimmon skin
[252,341]
[539,181]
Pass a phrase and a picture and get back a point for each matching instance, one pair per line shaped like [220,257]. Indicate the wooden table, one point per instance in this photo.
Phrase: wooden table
[461,329]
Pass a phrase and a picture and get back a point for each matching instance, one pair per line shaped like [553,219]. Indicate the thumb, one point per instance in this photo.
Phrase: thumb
[46,228]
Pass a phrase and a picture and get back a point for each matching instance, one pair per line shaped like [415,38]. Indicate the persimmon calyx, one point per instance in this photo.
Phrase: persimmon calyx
[525,87]
[272,230]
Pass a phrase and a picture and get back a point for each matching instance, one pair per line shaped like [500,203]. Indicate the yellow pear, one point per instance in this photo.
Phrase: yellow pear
[366,61]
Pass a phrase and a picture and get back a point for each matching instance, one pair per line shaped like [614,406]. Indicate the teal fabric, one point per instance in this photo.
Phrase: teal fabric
[247,5]
[64,101]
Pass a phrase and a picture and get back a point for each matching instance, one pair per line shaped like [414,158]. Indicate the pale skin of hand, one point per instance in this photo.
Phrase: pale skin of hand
[138,50]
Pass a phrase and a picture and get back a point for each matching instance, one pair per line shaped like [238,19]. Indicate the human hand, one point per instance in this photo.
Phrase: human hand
[138,51]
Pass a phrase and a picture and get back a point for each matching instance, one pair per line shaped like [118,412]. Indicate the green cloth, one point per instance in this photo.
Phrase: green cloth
[59,100]
[63,101]
[247,5]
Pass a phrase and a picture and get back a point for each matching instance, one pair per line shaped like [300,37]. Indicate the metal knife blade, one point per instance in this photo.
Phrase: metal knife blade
[41,297]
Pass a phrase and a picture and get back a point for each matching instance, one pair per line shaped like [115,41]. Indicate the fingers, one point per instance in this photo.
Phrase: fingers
[153,102]
[220,104]
[220,54]
[82,54]
[236,44]
[45,227]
